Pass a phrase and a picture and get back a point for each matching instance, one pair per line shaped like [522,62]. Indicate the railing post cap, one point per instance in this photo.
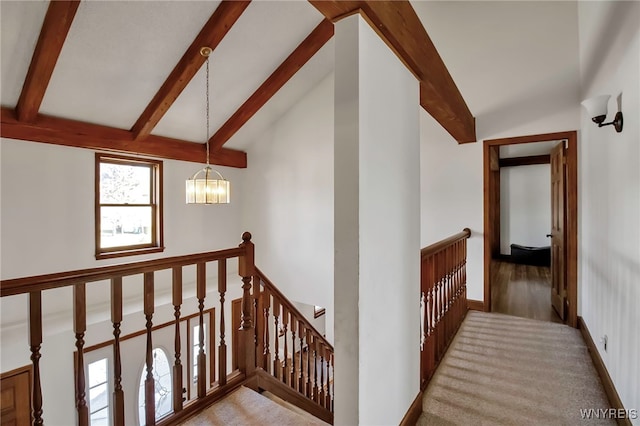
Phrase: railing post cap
[246,237]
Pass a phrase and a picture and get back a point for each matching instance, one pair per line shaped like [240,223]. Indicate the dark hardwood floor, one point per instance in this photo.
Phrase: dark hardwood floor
[522,291]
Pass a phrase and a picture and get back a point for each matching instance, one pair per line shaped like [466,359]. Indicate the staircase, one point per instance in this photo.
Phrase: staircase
[278,349]
[247,407]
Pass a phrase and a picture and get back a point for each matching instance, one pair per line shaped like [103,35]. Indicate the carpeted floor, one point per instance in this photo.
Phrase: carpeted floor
[504,370]
[245,407]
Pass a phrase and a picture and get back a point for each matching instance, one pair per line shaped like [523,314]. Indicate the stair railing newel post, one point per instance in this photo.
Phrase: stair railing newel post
[246,334]
[149,383]
[116,320]
[35,344]
[177,366]
[258,322]
[79,328]
[222,347]
[201,292]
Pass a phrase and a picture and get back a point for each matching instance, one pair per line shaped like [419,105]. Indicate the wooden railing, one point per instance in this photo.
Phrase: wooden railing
[305,367]
[443,298]
[291,350]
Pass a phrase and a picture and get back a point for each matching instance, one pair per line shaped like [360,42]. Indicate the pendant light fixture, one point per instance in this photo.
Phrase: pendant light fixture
[207,186]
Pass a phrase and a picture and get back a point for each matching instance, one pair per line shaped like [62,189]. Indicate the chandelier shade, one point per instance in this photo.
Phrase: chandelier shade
[205,188]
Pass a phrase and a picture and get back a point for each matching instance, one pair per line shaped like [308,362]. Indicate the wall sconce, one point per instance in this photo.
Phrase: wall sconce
[597,109]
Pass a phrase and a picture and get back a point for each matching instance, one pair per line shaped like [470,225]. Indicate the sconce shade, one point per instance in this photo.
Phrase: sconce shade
[202,188]
[597,107]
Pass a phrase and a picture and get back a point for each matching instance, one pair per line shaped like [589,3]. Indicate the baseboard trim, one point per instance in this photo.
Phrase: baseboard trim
[414,412]
[607,383]
[475,305]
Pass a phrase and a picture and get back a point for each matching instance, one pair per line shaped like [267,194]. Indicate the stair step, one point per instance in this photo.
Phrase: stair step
[247,407]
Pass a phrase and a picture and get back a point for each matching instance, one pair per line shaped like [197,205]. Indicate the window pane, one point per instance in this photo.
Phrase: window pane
[124,184]
[100,418]
[162,386]
[125,226]
[98,397]
[97,372]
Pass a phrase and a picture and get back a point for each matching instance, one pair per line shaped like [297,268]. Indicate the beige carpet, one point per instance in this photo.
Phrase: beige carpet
[245,407]
[504,370]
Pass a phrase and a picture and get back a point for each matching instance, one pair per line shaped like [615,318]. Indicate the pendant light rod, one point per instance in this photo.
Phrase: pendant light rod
[206,52]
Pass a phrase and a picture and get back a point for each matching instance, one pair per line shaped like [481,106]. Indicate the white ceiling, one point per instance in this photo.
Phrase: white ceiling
[118,54]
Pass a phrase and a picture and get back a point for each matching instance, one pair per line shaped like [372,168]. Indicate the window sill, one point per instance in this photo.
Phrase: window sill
[131,252]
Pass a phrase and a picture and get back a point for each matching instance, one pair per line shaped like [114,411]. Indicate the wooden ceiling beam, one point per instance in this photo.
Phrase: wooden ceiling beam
[55,28]
[400,27]
[296,60]
[216,28]
[61,131]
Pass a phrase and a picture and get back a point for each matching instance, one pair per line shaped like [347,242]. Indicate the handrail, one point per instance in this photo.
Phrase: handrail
[438,246]
[443,298]
[303,360]
[283,300]
[306,369]
[15,286]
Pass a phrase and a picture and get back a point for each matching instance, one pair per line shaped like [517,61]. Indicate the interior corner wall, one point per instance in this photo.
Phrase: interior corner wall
[609,192]
[451,174]
[289,201]
[525,206]
[377,209]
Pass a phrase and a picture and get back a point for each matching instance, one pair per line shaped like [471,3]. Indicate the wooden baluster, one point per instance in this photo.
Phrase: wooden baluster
[79,328]
[246,334]
[433,314]
[333,370]
[457,284]
[308,388]
[301,334]
[259,322]
[276,337]
[266,304]
[201,290]
[285,363]
[177,365]
[293,380]
[447,294]
[222,347]
[116,319]
[35,344]
[322,389]
[441,302]
[461,303]
[149,385]
[327,398]
[438,305]
[315,369]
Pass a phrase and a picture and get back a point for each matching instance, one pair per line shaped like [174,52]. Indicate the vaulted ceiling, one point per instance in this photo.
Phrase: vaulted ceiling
[128,76]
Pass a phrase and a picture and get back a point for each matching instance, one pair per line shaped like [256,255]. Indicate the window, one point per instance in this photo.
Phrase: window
[128,206]
[99,394]
[196,348]
[318,311]
[162,384]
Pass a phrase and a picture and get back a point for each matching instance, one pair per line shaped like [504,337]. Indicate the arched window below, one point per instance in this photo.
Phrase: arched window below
[163,386]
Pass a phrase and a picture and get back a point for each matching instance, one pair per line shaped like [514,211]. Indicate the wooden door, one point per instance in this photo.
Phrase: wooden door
[16,397]
[558,230]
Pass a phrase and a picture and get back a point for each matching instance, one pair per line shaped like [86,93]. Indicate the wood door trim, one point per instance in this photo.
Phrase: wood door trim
[571,212]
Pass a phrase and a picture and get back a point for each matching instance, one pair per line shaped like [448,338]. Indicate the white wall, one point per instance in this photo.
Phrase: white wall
[47,226]
[609,262]
[377,206]
[525,206]
[290,208]
[523,84]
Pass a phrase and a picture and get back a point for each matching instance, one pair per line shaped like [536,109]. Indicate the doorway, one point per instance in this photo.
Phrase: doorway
[566,258]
